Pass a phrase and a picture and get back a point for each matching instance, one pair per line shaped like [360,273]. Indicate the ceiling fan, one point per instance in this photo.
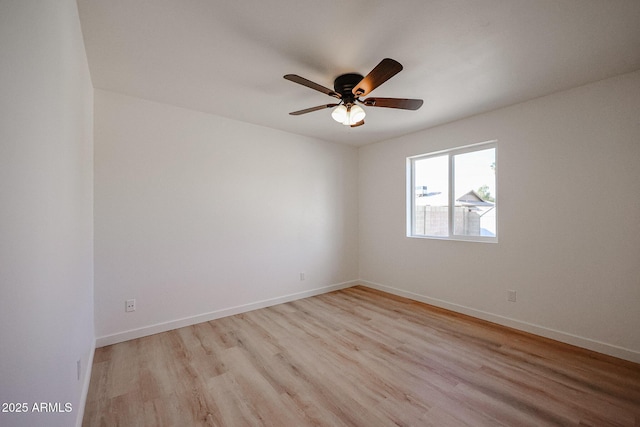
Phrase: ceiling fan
[348,88]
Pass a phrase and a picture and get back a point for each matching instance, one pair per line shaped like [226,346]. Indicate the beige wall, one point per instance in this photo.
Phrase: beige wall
[568,219]
[46,219]
[197,216]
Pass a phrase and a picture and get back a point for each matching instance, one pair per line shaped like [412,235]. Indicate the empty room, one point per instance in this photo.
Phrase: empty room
[327,213]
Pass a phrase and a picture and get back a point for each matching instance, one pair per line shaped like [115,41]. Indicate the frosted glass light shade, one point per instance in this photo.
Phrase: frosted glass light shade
[357,114]
[348,115]
[339,113]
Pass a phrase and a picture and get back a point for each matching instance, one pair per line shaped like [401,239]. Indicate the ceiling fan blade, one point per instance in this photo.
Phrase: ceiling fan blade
[308,83]
[309,110]
[402,103]
[360,123]
[386,69]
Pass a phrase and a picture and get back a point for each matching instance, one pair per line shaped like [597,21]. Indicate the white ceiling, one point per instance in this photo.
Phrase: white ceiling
[463,57]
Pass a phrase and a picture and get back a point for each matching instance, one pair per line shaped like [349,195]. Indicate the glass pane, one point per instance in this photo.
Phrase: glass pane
[475,193]
[431,201]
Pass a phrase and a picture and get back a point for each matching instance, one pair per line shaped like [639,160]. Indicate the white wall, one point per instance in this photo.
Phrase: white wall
[197,216]
[569,219]
[46,255]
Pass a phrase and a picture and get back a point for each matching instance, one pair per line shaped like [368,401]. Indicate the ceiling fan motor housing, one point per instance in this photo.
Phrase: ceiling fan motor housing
[344,85]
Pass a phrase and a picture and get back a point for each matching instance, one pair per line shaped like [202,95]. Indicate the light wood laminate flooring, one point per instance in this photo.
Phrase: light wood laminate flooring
[357,357]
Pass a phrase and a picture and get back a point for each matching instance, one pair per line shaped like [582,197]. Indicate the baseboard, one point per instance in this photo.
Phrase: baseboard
[578,341]
[587,343]
[205,317]
[85,385]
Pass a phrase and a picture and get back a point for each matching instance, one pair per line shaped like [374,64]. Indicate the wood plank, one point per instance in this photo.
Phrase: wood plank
[357,357]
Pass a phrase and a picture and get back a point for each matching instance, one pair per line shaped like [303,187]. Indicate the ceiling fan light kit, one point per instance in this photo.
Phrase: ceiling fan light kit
[348,116]
[348,88]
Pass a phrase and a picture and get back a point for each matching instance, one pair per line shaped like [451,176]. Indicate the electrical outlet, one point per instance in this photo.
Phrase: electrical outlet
[301,277]
[130,305]
[511,295]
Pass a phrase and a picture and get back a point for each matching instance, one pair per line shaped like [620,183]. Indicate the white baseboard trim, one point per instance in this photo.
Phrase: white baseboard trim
[85,386]
[205,317]
[578,341]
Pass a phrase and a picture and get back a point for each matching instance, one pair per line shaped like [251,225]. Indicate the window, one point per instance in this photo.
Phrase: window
[452,194]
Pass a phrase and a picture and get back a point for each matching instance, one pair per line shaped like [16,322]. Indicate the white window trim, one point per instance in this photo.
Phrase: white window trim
[411,192]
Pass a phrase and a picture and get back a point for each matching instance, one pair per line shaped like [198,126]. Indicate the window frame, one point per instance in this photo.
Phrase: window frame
[411,193]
